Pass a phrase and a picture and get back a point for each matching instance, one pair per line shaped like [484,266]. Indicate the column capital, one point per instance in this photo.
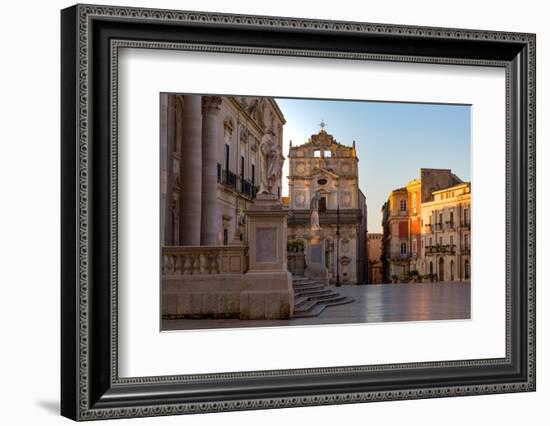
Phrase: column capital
[211,104]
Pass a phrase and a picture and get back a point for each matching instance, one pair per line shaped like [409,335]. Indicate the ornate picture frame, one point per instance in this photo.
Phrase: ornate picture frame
[90,384]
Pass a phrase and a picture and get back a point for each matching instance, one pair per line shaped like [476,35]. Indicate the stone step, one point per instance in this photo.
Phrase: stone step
[306,282]
[315,292]
[307,286]
[315,307]
[317,297]
[314,311]
[312,297]
[304,304]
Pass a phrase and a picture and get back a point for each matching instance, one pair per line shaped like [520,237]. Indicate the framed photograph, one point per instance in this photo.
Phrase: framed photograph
[263,212]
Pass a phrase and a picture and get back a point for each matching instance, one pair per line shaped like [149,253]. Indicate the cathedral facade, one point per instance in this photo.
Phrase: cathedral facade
[326,172]
[210,165]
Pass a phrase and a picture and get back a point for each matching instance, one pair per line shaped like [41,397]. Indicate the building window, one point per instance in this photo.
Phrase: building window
[451,240]
[226,160]
[241,171]
[317,153]
[414,247]
[440,241]
[452,218]
[414,203]
[403,205]
[465,216]
[440,218]
[327,154]
[467,269]
[403,248]
[225,236]
[431,242]
[466,241]
[253,175]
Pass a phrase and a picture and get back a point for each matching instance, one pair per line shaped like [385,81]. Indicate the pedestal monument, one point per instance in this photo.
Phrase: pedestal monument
[267,286]
[316,262]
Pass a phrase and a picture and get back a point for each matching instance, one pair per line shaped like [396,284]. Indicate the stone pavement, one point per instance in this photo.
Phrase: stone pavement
[373,303]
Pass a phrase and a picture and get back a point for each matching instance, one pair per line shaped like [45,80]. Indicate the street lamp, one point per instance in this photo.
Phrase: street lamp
[338,244]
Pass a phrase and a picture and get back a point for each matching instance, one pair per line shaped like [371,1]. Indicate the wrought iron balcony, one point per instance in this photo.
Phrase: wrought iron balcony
[236,183]
[441,249]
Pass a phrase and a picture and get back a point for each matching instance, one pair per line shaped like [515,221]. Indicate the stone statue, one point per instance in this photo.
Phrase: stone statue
[271,163]
[314,211]
[240,224]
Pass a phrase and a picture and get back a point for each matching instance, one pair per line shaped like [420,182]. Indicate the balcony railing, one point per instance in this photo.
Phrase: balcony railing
[237,183]
[400,257]
[441,249]
[439,226]
[203,260]
[450,224]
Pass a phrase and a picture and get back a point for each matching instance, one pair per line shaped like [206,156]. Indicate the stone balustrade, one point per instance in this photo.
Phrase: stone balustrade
[203,260]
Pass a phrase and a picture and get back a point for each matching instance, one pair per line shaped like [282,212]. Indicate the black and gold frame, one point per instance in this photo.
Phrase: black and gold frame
[91,386]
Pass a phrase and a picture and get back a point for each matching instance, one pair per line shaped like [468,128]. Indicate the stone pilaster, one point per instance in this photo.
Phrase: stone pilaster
[210,219]
[167,139]
[191,172]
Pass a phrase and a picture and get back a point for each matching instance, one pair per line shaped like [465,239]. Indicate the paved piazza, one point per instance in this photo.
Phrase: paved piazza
[373,303]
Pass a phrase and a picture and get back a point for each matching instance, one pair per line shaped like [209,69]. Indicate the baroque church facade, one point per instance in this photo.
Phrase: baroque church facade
[326,171]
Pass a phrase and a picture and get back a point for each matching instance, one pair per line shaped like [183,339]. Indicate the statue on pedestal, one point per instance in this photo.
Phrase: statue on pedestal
[271,163]
[314,211]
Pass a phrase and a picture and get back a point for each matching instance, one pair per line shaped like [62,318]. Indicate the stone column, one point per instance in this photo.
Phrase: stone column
[167,136]
[191,171]
[210,218]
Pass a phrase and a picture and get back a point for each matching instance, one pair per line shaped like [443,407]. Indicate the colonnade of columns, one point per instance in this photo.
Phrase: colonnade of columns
[198,140]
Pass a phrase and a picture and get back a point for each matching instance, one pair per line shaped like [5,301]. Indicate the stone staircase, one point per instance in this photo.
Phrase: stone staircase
[312,297]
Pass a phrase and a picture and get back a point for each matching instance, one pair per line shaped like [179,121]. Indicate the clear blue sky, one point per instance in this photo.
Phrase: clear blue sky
[393,140]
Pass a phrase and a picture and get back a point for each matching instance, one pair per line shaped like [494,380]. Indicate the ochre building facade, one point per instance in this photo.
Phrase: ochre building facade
[421,221]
